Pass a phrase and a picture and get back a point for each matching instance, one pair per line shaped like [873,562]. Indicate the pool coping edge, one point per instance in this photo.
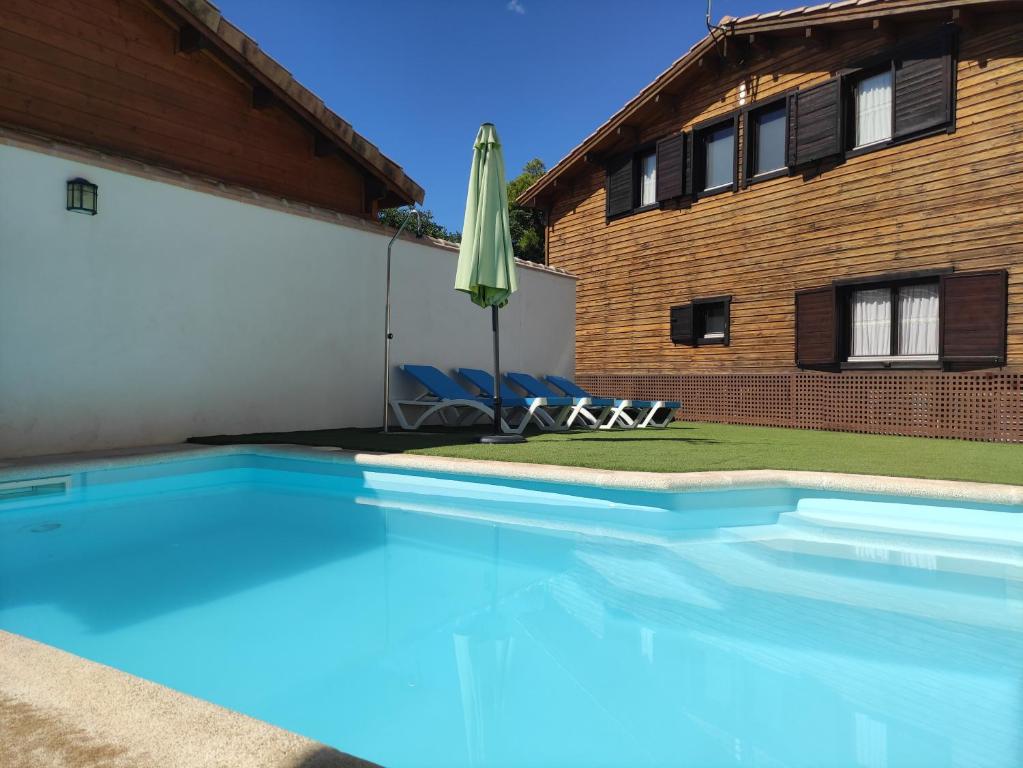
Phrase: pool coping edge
[954,490]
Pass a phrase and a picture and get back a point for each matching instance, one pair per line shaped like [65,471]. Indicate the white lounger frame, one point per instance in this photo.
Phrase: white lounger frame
[461,413]
[611,416]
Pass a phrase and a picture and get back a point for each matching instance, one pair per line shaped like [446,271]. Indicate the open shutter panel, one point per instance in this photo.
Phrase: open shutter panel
[815,123]
[690,141]
[619,186]
[924,79]
[682,331]
[816,327]
[974,309]
[671,167]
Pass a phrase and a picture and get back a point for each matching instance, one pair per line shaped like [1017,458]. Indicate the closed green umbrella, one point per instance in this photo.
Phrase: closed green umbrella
[486,262]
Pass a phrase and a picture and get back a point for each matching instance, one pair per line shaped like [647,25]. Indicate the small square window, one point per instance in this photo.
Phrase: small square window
[710,320]
[716,161]
[646,167]
[767,139]
[872,109]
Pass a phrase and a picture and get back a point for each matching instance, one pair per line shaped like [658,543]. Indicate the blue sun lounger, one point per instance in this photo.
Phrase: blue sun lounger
[586,411]
[635,414]
[454,405]
[546,420]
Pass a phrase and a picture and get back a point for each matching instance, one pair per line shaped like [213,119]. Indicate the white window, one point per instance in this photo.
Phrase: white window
[918,320]
[911,309]
[648,179]
[873,108]
[718,156]
[871,323]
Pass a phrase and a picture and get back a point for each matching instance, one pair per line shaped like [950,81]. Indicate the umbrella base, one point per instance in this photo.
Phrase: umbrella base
[501,439]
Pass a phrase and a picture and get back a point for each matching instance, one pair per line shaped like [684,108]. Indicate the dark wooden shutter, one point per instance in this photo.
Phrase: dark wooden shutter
[815,123]
[924,81]
[671,167]
[690,154]
[619,186]
[817,327]
[974,308]
[682,330]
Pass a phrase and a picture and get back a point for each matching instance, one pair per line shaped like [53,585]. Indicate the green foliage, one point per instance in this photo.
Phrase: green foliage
[393,217]
[526,224]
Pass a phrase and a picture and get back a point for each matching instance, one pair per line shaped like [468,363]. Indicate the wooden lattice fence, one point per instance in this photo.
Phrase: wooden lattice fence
[969,406]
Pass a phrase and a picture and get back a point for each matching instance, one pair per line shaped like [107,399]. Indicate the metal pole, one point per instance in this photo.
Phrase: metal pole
[498,435]
[387,324]
[497,370]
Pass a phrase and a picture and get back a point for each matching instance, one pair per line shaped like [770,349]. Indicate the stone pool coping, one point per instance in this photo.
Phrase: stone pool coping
[951,490]
[59,710]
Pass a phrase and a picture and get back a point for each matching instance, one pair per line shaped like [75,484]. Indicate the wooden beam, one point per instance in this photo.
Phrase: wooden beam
[736,52]
[191,40]
[885,28]
[596,158]
[324,147]
[964,17]
[669,102]
[262,97]
[710,64]
[629,132]
[761,43]
[818,36]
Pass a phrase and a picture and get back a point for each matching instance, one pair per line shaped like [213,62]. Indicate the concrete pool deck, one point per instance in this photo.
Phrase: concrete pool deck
[58,709]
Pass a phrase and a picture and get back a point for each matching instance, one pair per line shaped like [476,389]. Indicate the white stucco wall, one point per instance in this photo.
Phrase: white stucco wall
[175,313]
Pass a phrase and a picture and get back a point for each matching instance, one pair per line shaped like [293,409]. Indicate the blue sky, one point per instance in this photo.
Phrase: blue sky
[413,78]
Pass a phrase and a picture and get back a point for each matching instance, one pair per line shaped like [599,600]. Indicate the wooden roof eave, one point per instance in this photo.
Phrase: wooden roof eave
[828,14]
[245,54]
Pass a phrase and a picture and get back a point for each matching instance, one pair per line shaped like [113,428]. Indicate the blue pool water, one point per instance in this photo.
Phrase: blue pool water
[455,621]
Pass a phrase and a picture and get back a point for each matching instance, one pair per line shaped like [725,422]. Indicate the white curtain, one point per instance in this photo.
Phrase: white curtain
[648,182]
[874,108]
[871,322]
[918,320]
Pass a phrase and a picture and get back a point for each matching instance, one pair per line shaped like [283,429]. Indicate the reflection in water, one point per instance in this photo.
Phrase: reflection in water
[405,629]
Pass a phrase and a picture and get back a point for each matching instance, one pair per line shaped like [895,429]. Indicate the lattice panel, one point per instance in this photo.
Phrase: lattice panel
[970,406]
[640,387]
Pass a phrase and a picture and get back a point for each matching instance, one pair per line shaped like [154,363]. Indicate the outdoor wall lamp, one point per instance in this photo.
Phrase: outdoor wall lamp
[82,196]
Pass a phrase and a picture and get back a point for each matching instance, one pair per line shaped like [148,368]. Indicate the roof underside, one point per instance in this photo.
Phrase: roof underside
[735,40]
[244,54]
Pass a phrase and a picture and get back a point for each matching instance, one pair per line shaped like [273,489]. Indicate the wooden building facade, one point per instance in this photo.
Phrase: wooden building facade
[813,218]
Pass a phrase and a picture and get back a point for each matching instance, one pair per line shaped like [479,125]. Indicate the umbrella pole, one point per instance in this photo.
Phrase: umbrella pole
[497,436]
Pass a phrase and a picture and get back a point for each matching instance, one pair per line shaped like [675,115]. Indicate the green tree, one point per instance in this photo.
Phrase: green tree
[526,224]
[393,217]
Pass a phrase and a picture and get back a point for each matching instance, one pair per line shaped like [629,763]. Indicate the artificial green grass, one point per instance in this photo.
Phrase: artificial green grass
[695,447]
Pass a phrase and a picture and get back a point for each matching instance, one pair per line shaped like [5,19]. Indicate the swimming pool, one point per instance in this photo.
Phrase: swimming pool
[428,619]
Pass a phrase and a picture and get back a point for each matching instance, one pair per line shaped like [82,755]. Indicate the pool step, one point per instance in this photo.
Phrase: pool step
[911,552]
[976,526]
[741,568]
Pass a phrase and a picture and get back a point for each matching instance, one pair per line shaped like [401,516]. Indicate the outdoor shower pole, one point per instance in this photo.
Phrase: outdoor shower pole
[387,317]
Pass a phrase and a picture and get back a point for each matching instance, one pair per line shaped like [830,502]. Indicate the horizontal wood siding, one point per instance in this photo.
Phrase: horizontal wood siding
[949,200]
[104,73]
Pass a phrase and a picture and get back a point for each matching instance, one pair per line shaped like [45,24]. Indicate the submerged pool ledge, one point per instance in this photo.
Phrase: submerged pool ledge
[950,490]
[58,709]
